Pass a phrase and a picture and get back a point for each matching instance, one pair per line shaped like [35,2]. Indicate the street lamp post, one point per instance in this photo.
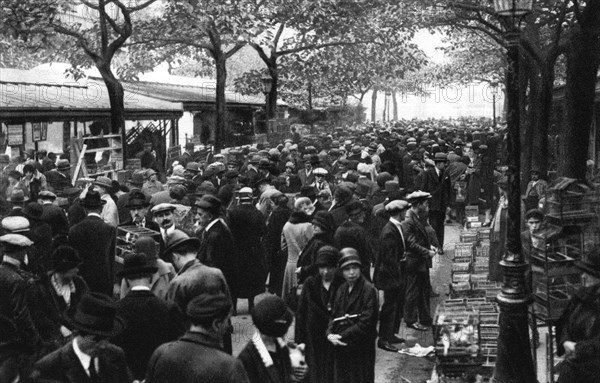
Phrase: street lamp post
[494,86]
[267,83]
[388,96]
[514,362]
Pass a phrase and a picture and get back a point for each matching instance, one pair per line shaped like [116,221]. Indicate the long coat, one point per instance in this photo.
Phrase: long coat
[196,357]
[248,228]
[417,244]
[217,249]
[353,235]
[95,240]
[276,258]
[390,262]
[312,319]
[63,366]
[308,257]
[355,363]
[438,186]
[149,322]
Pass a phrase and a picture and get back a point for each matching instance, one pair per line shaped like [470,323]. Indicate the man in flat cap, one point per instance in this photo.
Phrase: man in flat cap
[16,321]
[163,216]
[390,275]
[419,253]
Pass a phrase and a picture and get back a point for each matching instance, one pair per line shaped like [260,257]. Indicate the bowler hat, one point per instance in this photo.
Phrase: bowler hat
[391,186]
[63,164]
[92,199]
[136,265]
[271,316]
[208,306]
[308,191]
[104,182]
[440,157]
[177,239]
[137,199]
[349,256]
[354,208]
[327,256]
[146,245]
[96,315]
[65,258]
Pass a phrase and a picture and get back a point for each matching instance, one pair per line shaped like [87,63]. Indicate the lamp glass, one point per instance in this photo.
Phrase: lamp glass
[513,8]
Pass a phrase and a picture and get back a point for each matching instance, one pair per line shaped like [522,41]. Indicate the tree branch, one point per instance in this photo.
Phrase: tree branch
[318,46]
[81,40]
[90,5]
[234,50]
[261,52]
[103,31]
[141,6]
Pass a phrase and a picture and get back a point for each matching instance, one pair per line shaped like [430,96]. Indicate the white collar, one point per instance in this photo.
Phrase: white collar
[262,349]
[140,288]
[211,224]
[169,230]
[84,358]
[95,215]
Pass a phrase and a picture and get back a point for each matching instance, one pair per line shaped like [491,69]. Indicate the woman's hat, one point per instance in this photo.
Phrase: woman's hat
[136,265]
[65,258]
[327,256]
[210,203]
[177,239]
[104,182]
[92,199]
[324,220]
[349,256]
[271,316]
[96,315]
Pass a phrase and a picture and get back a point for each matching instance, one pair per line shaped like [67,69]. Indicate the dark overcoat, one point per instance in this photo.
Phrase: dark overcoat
[417,244]
[195,357]
[63,366]
[308,257]
[248,228]
[276,258]
[217,249]
[439,187]
[353,235]
[258,372]
[312,319]
[95,241]
[355,363]
[56,218]
[149,322]
[390,262]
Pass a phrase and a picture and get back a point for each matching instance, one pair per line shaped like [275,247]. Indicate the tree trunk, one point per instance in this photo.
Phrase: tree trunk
[117,104]
[374,105]
[272,101]
[395,103]
[219,130]
[582,68]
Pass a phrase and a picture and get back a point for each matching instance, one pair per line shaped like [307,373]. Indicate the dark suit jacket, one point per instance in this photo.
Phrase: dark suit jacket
[196,357]
[440,188]
[390,262]
[63,366]
[95,240]
[149,322]
[256,370]
[217,250]
[417,244]
[56,218]
[306,179]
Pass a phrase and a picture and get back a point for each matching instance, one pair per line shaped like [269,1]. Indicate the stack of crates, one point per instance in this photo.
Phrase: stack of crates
[472,216]
[461,268]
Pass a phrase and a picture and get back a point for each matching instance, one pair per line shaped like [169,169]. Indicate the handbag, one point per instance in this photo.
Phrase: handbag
[341,324]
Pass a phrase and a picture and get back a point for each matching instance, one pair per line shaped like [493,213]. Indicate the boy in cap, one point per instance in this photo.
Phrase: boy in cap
[198,356]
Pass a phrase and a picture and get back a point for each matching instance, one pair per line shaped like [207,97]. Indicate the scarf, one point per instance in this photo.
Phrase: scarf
[63,290]
[262,349]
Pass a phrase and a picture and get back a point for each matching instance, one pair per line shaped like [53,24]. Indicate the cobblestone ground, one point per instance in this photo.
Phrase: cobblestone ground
[390,367]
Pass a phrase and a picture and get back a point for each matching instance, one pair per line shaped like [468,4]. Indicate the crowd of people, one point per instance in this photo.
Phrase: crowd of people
[307,230]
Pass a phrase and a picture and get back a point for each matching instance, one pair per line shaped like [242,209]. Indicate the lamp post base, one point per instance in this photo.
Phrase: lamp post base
[514,363]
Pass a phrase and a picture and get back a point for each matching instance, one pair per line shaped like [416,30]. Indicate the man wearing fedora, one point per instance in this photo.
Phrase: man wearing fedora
[20,338]
[436,181]
[198,356]
[109,213]
[149,321]
[52,214]
[306,175]
[136,181]
[59,178]
[95,241]
[137,205]
[89,357]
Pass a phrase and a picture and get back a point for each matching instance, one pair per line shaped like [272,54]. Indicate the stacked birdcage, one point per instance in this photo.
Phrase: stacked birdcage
[126,237]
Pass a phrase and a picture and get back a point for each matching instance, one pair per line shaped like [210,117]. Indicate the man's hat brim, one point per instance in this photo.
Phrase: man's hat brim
[195,242]
[117,328]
